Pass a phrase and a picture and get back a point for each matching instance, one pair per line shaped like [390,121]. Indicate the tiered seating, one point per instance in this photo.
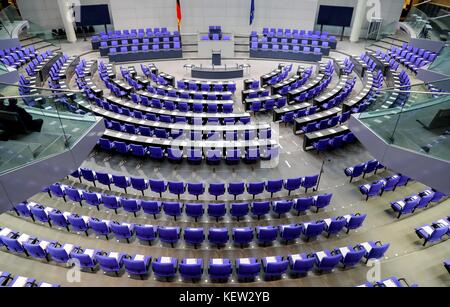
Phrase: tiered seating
[348,66]
[166,267]
[334,142]
[373,82]
[412,57]
[235,189]
[136,40]
[17,57]
[336,96]
[378,187]
[409,204]
[283,87]
[320,120]
[391,282]
[363,169]
[33,67]
[300,45]
[11,281]
[241,236]
[435,232]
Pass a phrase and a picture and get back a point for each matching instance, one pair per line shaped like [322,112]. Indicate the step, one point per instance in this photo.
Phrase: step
[392,42]
[398,39]
[31,41]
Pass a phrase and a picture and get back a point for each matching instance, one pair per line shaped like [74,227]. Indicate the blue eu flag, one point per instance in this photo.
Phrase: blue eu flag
[252,11]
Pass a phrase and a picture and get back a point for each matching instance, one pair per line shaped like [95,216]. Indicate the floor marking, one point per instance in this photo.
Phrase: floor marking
[287,163]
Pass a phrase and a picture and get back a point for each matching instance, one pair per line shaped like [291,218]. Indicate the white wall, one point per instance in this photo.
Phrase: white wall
[232,15]
[390,12]
[45,13]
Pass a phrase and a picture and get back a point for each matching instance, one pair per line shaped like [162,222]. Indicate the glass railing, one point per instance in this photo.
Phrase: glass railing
[442,63]
[9,20]
[44,123]
[434,27]
[421,124]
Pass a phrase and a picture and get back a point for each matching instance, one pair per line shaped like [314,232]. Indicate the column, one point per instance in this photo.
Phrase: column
[358,21]
[66,11]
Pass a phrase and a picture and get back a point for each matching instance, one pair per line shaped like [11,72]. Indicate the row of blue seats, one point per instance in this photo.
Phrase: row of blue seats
[325,123]
[149,32]
[412,57]
[348,66]
[378,187]
[30,69]
[168,118]
[214,189]
[334,142]
[434,232]
[343,94]
[295,33]
[10,281]
[194,210]
[286,48]
[17,57]
[409,204]
[193,155]
[190,269]
[206,86]
[136,41]
[363,169]
[195,236]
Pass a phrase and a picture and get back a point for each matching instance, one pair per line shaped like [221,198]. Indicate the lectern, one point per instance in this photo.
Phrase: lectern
[216,58]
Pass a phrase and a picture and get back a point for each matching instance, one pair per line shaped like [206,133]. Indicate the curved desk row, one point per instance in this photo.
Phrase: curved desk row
[362,95]
[217,73]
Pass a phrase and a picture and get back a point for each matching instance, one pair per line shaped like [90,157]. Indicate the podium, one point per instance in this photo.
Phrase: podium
[216,57]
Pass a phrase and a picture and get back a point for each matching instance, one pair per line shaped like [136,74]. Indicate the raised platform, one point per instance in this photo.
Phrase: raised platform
[217,72]
[147,55]
[295,56]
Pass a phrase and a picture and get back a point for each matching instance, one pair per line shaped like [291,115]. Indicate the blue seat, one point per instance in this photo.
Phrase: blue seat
[194,236]
[92,199]
[335,225]
[274,186]
[239,210]
[374,250]
[313,229]
[255,188]
[151,207]
[432,233]
[37,248]
[74,195]
[351,256]
[327,260]
[39,212]
[146,233]
[194,210]
[373,189]
[274,267]
[290,232]
[390,183]
[242,236]
[172,209]
[158,186]
[79,223]
[59,219]
[247,269]
[354,221]
[191,268]
[60,253]
[121,182]
[139,184]
[405,206]
[110,262]
[169,235]
[216,189]
[260,208]
[137,265]
[282,206]
[156,153]
[236,188]
[165,267]
[196,189]
[301,264]
[218,236]
[355,171]
[293,184]
[86,259]
[122,230]
[110,202]
[303,203]
[176,188]
[101,228]
[88,175]
[216,210]
[104,178]
[130,205]
[219,269]
[266,234]
[322,201]
[310,182]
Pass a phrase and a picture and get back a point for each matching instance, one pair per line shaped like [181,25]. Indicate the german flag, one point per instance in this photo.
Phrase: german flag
[179,17]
